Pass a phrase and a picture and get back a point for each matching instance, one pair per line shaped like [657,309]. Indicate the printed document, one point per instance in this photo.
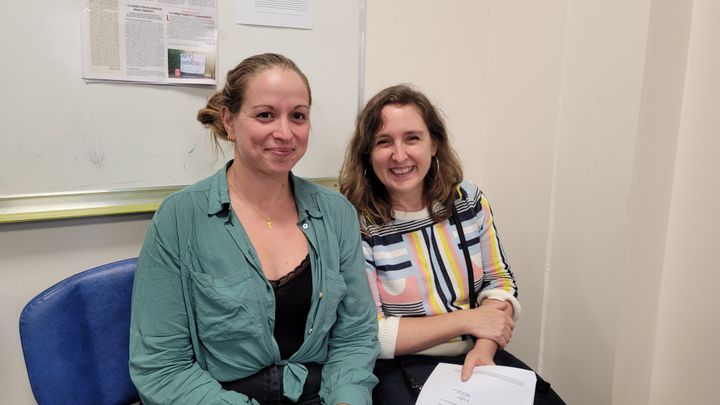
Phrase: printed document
[150,41]
[275,13]
[489,385]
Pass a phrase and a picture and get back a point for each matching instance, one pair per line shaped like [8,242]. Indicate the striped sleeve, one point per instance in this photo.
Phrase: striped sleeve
[498,280]
[387,326]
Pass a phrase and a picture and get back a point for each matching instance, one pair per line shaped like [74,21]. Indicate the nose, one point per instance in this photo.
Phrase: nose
[398,153]
[282,130]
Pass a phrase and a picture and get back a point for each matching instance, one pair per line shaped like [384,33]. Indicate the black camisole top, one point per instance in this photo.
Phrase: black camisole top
[292,305]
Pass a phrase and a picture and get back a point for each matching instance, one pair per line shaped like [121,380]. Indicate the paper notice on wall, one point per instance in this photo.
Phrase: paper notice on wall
[275,13]
[157,42]
[489,385]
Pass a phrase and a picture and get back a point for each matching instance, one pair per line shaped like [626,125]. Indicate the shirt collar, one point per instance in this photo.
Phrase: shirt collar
[219,197]
[305,197]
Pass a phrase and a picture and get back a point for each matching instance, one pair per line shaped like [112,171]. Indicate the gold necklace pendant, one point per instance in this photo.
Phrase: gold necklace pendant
[233,191]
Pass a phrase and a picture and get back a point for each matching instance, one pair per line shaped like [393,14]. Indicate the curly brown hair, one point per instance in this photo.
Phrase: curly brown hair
[358,181]
[233,93]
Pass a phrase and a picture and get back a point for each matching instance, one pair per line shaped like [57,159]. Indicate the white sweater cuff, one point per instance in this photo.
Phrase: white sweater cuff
[502,295]
[387,335]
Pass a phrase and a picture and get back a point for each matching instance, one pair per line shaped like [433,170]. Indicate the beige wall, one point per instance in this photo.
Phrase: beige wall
[567,113]
[651,188]
[685,356]
[602,80]
[543,100]
[472,59]
[592,127]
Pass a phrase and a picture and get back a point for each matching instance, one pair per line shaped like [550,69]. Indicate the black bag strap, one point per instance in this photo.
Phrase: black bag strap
[468,264]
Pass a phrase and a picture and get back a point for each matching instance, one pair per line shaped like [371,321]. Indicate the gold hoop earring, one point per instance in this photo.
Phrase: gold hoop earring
[437,168]
[365,179]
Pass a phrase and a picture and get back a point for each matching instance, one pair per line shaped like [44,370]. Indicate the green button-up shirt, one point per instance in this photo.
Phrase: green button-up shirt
[203,311]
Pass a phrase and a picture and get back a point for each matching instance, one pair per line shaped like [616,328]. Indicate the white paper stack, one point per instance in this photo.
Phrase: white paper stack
[489,385]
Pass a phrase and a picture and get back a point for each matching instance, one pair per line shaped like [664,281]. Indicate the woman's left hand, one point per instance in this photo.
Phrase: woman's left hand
[484,351]
[481,355]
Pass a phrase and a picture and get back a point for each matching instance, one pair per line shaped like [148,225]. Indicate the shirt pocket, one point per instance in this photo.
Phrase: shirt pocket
[335,289]
[225,309]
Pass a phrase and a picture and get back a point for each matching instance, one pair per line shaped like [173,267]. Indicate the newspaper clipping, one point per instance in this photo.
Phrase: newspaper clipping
[157,42]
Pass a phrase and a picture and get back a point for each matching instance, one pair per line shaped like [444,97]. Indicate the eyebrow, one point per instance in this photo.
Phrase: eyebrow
[272,108]
[410,132]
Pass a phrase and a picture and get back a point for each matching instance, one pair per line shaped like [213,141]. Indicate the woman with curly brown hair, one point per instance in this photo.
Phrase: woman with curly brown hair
[442,286]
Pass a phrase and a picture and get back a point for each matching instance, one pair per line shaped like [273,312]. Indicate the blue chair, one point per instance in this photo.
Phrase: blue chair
[75,338]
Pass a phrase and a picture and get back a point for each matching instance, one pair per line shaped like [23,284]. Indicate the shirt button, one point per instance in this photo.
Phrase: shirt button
[305,226]
[310,331]
[320,295]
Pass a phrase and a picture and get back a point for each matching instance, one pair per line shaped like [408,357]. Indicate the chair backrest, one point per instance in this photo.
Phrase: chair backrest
[75,338]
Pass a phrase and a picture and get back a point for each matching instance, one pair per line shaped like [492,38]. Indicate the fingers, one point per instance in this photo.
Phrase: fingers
[501,340]
[493,303]
[489,321]
[492,323]
[471,360]
[481,355]
[510,321]
[505,306]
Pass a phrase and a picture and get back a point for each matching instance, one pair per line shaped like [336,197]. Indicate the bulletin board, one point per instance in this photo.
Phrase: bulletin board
[77,148]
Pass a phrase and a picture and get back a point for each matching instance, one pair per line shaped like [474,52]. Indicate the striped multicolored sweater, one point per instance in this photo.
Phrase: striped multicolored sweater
[416,267]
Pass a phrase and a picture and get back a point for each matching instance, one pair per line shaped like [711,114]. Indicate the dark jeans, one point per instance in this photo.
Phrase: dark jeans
[395,388]
[266,386]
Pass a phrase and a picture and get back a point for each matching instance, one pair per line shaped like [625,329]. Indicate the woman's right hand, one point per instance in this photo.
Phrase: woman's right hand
[489,322]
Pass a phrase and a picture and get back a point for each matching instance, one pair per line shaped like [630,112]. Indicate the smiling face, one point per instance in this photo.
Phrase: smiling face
[401,155]
[272,126]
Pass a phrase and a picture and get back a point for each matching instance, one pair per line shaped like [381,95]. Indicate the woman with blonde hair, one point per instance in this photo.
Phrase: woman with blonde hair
[250,287]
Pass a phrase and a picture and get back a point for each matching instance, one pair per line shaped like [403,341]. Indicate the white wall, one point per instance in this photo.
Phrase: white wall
[592,127]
